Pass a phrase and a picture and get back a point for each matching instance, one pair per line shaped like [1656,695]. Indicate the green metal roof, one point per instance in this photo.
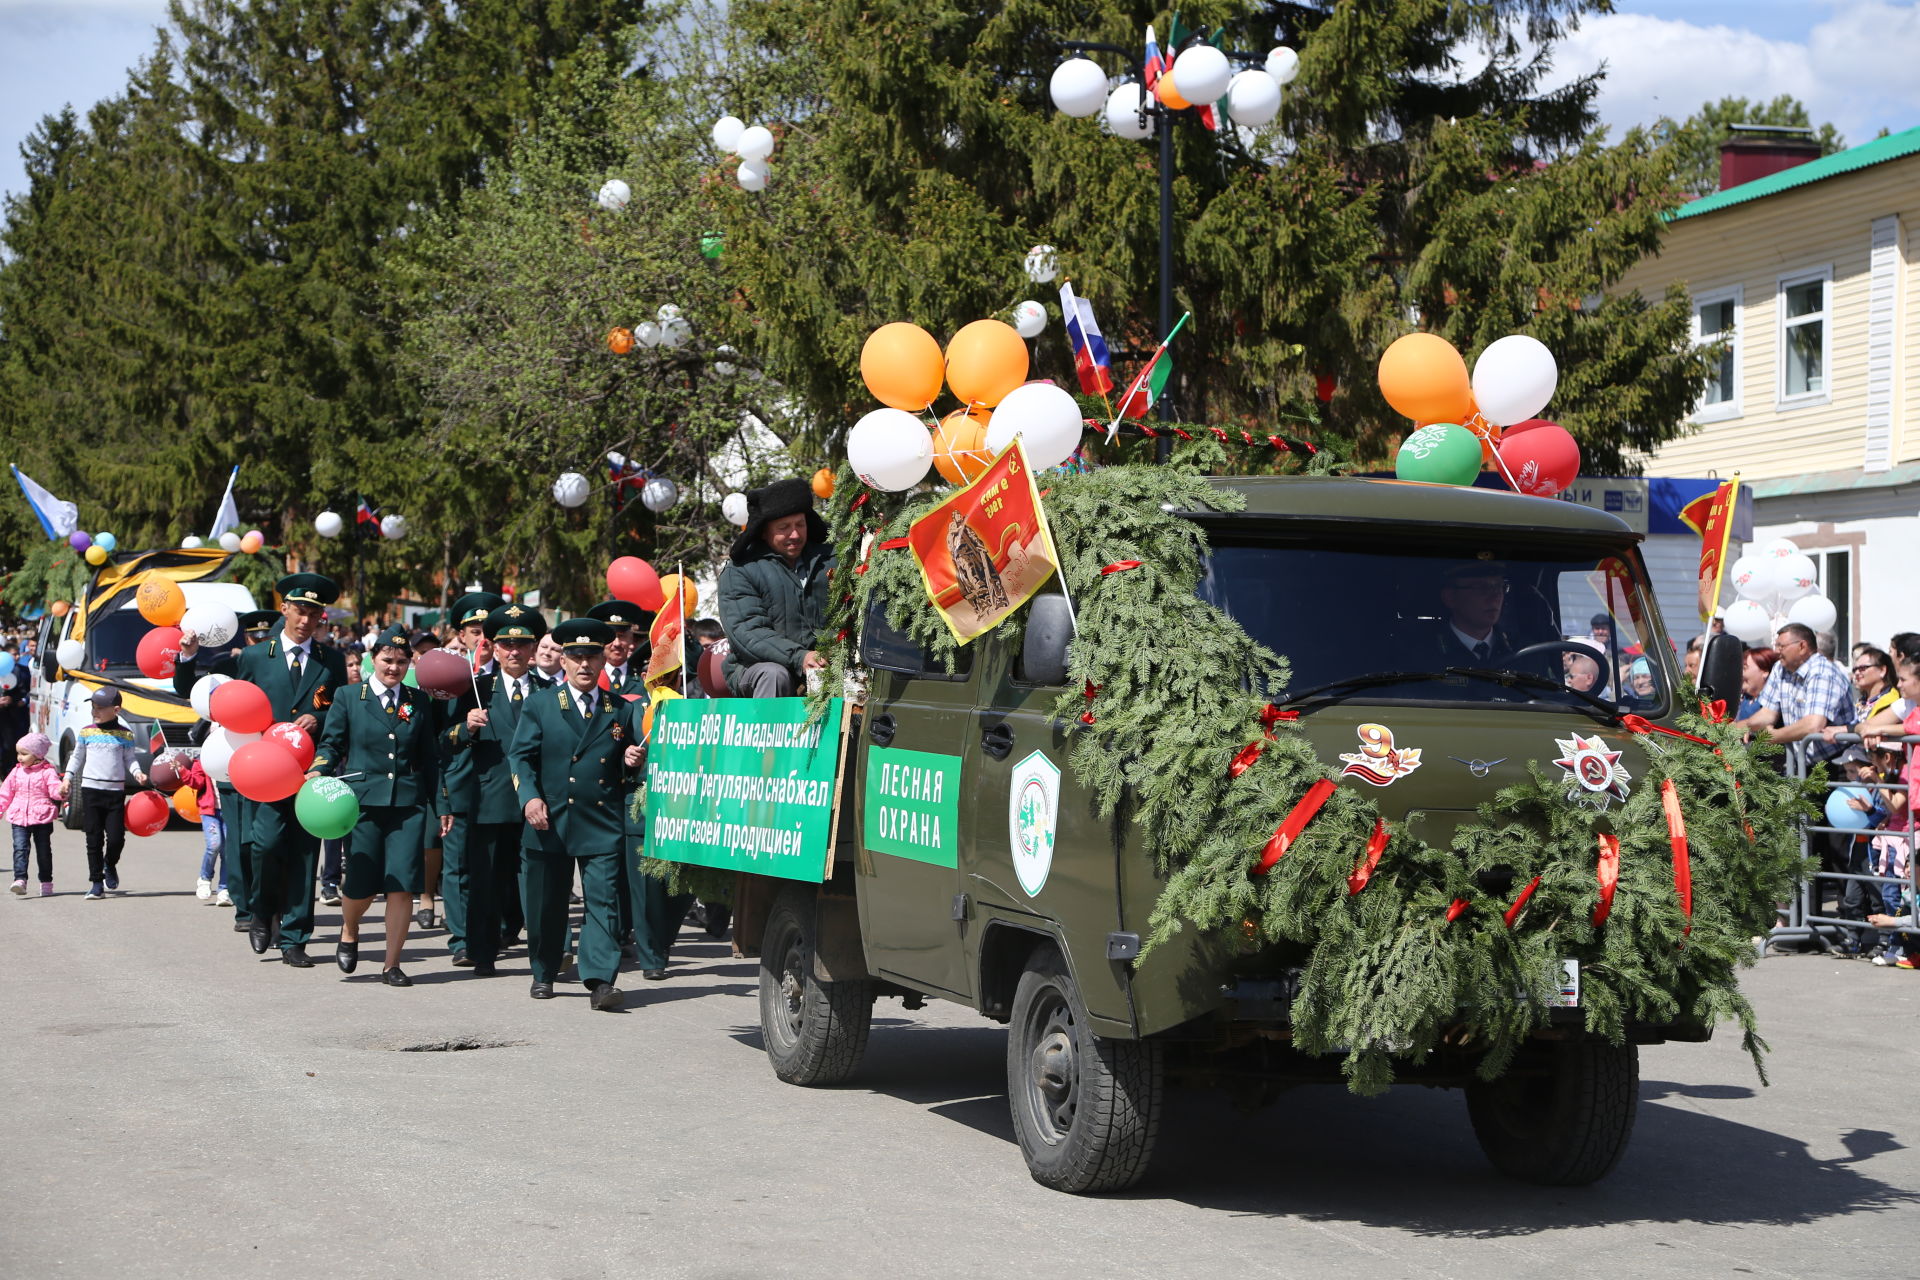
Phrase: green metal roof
[1879,151]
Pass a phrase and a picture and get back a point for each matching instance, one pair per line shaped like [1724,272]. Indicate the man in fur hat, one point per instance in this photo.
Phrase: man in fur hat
[773,594]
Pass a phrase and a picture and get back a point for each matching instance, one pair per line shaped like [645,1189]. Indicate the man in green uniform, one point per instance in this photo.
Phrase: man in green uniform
[574,757]
[487,822]
[255,626]
[299,678]
[469,641]
[625,678]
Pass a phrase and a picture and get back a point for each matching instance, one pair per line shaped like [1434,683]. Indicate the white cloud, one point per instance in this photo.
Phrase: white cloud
[1856,68]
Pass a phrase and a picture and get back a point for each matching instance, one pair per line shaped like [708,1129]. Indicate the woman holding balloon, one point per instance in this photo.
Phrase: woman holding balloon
[379,739]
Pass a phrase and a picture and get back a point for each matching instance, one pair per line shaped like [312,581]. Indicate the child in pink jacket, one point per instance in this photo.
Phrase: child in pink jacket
[30,797]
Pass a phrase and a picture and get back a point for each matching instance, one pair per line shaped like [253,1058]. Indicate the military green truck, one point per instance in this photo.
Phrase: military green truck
[969,866]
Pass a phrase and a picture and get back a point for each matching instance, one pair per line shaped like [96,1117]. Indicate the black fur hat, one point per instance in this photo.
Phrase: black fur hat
[781,498]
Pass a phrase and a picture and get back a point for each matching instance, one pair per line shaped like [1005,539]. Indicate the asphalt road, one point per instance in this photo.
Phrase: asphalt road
[179,1107]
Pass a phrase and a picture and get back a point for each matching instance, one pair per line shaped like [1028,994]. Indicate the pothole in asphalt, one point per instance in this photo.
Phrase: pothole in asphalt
[441,1044]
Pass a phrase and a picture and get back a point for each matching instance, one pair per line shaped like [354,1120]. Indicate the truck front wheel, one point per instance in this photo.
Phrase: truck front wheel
[1085,1108]
[1562,1116]
[814,1031]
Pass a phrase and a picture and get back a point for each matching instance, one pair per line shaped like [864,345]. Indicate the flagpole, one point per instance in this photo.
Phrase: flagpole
[680,589]
[225,499]
[1141,377]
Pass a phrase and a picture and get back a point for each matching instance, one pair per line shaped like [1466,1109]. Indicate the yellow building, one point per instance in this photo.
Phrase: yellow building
[1808,275]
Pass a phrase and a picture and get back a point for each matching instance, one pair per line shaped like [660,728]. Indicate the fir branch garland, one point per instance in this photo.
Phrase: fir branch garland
[1423,953]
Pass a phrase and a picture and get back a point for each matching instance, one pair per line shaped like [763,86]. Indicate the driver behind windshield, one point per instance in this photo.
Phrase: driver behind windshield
[1473,595]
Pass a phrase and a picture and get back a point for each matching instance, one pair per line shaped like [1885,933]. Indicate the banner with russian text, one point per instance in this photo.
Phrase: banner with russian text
[744,784]
[986,550]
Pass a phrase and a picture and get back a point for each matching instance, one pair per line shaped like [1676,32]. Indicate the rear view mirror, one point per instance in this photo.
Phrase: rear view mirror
[1721,664]
[1043,653]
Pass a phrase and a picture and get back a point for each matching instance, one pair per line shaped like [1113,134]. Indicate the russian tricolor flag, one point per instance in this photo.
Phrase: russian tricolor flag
[1090,360]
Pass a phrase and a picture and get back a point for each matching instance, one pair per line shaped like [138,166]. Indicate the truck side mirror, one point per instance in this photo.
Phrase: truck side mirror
[1043,652]
[1721,664]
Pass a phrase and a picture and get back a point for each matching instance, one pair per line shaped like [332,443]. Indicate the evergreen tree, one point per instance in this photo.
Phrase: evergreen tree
[1695,141]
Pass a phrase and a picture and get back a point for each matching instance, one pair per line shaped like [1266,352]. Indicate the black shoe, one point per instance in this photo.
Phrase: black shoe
[461,960]
[423,918]
[629,951]
[296,955]
[259,935]
[485,969]
[607,998]
[718,918]
[654,975]
[242,926]
[394,978]
[330,895]
[541,991]
[347,956]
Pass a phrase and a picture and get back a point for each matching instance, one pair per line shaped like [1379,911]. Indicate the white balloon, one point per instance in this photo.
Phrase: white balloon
[393,528]
[1201,74]
[1755,578]
[1777,549]
[1043,264]
[734,508]
[890,449]
[1078,87]
[659,493]
[667,312]
[1253,98]
[1029,318]
[214,624]
[1283,64]
[755,143]
[193,542]
[753,175]
[1814,611]
[1123,113]
[647,333]
[675,332]
[1748,620]
[229,541]
[1795,576]
[328,524]
[727,131]
[571,489]
[9,681]
[726,361]
[201,695]
[1046,419]
[1513,379]
[216,753]
[614,195]
[72,654]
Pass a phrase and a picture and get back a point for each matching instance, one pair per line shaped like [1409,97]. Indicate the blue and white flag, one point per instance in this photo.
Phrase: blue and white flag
[57,516]
[228,516]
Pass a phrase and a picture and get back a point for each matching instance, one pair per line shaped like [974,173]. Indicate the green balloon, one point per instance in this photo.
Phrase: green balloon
[1440,453]
[326,807]
[712,244]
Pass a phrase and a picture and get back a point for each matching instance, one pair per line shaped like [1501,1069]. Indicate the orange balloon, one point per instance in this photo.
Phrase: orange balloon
[251,543]
[960,446]
[161,601]
[823,484]
[619,341]
[1169,96]
[689,594]
[187,804]
[985,361]
[902,366]
[61,608]
[1422,376]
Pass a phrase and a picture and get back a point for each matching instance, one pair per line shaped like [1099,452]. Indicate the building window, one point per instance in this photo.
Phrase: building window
[1716,319]
[1835,569]
[1803,335]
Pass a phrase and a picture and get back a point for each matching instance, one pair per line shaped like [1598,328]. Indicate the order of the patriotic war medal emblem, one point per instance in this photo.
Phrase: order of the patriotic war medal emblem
[1595,775]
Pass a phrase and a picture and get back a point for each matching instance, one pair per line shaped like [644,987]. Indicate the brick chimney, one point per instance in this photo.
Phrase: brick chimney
[1756,150]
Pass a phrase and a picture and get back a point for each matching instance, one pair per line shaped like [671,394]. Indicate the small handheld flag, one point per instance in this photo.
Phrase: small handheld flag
[228,516]
[1149,382]
[56,515]
[1090,360]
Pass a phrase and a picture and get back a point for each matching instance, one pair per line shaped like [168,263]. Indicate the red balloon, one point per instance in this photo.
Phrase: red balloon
[159,649]
[447,674]
[242,706]
[632,579]
[164,776]
[712,678]
[147,813]
[1528,425]
[296,740]
[1542,461]
[266,770]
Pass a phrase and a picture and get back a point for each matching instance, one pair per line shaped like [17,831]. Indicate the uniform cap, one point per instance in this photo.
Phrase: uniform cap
[394,637]
[583,635]
[475,606]
[259,620]
[308,588]
[621,614]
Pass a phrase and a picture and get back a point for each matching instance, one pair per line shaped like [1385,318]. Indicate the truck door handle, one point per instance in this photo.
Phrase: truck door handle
[997,741]
[881,728]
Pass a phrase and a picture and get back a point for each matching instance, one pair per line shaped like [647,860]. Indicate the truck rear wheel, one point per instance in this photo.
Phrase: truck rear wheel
[1563,1116]
[814,1031]
[1085,1108]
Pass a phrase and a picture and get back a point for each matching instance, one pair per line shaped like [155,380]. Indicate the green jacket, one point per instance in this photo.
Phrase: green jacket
[266,665]
[578,767]
[773,611]
[477,778]
[393,752]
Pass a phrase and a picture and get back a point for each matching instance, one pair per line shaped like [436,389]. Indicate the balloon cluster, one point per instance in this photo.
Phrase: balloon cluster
[1776,584]
[634,580]
[985,367]
[93,548]
[752,143]
[668,329]
[1462,421]
[1201,76]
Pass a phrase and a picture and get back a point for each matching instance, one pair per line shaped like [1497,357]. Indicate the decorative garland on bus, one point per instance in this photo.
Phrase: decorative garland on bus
[1402,943]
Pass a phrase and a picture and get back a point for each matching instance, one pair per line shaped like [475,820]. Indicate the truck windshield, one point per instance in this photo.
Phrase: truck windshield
[113,639]
[1446,622]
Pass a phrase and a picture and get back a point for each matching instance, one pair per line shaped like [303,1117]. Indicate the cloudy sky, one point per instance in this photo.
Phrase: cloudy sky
[1851,61]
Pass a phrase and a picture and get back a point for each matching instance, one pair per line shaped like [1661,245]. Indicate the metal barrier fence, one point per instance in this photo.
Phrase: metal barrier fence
[1804,919]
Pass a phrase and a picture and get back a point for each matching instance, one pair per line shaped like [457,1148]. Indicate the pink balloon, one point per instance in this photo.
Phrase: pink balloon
[1542,461]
